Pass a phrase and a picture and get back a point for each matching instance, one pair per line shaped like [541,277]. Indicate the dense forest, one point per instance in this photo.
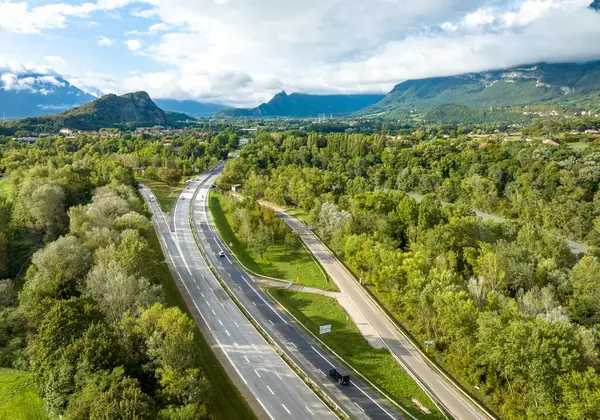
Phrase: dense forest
[514,314]
[81,303]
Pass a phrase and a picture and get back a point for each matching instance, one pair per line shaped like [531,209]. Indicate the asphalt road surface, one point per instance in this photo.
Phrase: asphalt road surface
[274,385]
[357,400]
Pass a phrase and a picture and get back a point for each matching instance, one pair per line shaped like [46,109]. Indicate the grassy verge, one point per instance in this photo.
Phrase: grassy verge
[300,215]
[18,400]
[164,193]
[278,262]
[227,401]
[379,366]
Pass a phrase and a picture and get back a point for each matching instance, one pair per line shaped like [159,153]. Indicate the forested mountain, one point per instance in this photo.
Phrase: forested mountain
[190,107]
[566,83]
[595,5]
[37,94]
[305,105]
[134,109]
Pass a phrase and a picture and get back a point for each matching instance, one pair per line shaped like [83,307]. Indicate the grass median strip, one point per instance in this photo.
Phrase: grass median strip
[277,261]
[165,194]
[378,365]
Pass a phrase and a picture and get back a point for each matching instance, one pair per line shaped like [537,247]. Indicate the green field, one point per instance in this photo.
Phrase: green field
[278,262]
[346,340]
[227,401]
[18,400]
[164,193]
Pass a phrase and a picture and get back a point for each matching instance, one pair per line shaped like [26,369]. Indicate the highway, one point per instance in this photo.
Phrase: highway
[442,389]
[274,385]
[357,401]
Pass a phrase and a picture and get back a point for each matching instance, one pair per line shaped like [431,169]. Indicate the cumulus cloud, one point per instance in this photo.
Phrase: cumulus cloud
[243,52]
[133,44]
[55,60]
[19,17]
[247,52]
[105,41]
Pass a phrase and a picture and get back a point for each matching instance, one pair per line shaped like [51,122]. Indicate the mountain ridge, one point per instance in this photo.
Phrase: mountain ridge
[556,83]
[130,109]
[191,107]
[36,94]
[305,105]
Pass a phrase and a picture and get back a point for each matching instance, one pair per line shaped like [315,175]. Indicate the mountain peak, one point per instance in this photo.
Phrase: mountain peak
[110,110]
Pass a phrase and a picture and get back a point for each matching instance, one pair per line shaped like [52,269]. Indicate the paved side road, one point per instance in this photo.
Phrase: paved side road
[443,391]
[358,401]
[274,385]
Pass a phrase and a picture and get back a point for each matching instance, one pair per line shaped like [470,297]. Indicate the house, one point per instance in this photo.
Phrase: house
[550,142]
[236,187]
[66,131]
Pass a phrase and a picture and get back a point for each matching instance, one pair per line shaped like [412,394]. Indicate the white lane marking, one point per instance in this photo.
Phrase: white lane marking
[376,403]
[272,323]
[236,324]
[253,303]
[220,322]
[286,409]
[309,410]
[278,375]
[202,294]
[229,335]
[213,311]
[356,404]
[222,304]
[418,359]
[208,303]
[294,345]
[236,345]
[255,348]
[459,399]
[246,359]
[322,372]
[269,388]
[324,358]
[257,374]
[265,408]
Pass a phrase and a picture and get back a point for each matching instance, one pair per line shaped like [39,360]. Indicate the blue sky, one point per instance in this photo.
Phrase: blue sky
[241,52]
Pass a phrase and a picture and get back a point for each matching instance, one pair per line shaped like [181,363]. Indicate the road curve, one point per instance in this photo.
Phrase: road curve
[274,385]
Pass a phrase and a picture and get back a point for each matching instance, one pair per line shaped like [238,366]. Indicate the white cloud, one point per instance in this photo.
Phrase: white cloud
[480,17]
[55,60]
[146,13]
[20,18]
[245,52]
[105,42]
[152,30]
[133,44]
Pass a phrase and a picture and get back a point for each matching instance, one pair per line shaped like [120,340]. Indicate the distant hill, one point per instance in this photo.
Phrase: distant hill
[190,107]
[305,105]
[561,84]
[38,94]
[595,5]
[131,109]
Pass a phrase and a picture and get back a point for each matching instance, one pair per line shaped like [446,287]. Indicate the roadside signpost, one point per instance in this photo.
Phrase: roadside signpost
[429,343]
[324,329]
